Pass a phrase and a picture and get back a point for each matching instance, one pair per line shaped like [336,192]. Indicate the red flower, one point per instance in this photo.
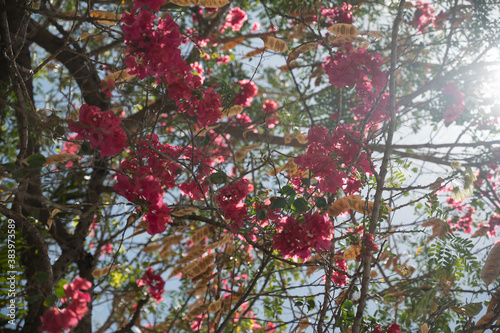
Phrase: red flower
[154,282]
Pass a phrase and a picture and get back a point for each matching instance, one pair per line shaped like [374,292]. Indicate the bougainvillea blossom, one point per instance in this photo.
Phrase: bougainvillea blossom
[296,237]
[338,15]
[454,104]
[234,19]
[248,91]
[230,201]
[155,283]
[101,129]
[424,16]
[54,319]
[328,156]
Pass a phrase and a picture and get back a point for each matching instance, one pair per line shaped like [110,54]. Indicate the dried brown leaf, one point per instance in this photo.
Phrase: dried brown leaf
[491,268]
[60,158]
[343,29]
[275,44]
[202,233]
[106,18]
[482,231]
[254,52]
[242,152]
[300,50]
[215,306]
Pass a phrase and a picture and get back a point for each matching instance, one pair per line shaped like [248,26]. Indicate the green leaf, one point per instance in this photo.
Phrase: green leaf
[59,292]
[49,301]
[472,309]
[9,166]
[300,205]
[320,202]
[278,203]
[261,214]
[347,305]
[85,149]
[205,141]
[36,161]
[288,190]
[217,178]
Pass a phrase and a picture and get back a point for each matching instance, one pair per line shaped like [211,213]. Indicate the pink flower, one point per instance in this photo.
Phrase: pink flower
[394,328]
[296,237]
[455,103]
[424,15]
[230,202]
[339,15]
[54,320]
[102,129]
[155,284]
[248,91]
[235,19]
[255,27]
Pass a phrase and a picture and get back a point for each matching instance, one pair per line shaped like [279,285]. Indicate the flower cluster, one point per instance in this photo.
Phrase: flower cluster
[393,328]
[361,69]
[102,129]
[367,246]
[144,176]
[155,283]
[296,236]
[230,200]
[333,159]
[455,102]
[54,319]
[234,19]
[153,48]
[248,91]
[424,16]
[271,117]
[339,278]
[338,15]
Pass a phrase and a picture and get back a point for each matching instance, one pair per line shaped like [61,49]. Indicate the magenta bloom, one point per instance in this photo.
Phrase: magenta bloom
[154,282]
[102,129]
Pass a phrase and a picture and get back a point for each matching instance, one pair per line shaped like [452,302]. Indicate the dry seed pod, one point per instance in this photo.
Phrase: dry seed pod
[165,253]
[199,266]
[491,268]
[100,272]
[232,44]
[342,205]
[275,44]
[202,233]
[207,274]
[482,231]
[343,29]
[172,240]
[215,306]
[60,158]
[203,3]
[226,239]
[242,152]
[339,299]
[198,291]
[232,111]
[300,50]
[424,328]
[119,76]
[352,252]
[85,35]
[289,67]
[373,274]
[152,247]
[194,253]
[51,217]
[194,312]
[254,52]
[106,18]
[178,269]
[184,211]
[375,34]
